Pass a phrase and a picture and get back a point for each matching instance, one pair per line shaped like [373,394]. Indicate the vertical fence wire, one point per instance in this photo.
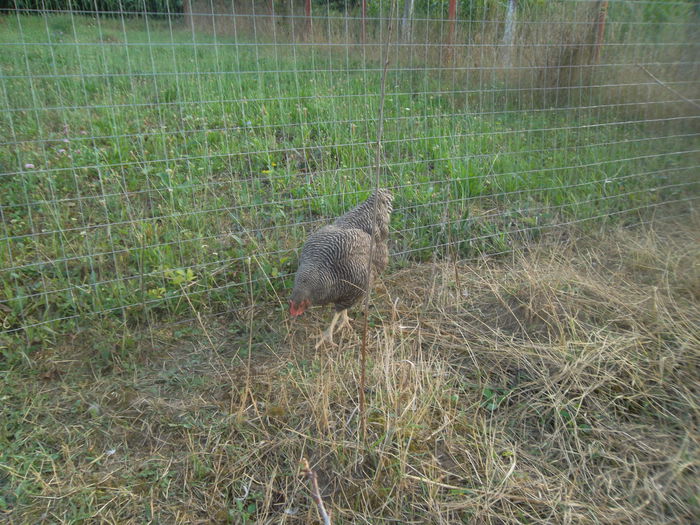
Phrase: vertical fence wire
[147,154]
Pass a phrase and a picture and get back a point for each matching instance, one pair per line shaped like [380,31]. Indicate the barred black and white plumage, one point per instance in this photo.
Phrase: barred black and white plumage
[333,267]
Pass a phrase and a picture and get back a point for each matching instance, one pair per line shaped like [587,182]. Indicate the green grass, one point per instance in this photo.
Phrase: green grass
[161,166]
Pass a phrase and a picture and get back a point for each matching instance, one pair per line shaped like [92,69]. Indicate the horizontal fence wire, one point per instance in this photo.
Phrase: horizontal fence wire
[155,166]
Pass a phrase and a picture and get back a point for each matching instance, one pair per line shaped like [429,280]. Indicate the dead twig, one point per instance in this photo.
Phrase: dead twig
[315,493]
[378,172]
[664,85]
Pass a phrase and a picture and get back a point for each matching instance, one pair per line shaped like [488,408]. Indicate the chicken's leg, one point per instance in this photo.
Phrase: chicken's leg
[328,334]
[344,320]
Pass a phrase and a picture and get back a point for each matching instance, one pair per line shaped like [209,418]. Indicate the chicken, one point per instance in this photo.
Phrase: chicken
[333,267]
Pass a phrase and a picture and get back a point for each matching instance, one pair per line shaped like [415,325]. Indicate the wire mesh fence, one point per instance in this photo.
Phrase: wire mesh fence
[161,159]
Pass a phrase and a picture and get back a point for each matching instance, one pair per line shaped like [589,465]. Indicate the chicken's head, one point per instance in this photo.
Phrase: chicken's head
[311,285]
[296,308]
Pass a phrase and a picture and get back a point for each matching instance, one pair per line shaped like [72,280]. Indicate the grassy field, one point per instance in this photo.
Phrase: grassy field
[138,167]
[558,385]
[533,347]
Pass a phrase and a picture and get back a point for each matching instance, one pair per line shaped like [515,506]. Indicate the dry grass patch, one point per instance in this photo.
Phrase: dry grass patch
[557,386]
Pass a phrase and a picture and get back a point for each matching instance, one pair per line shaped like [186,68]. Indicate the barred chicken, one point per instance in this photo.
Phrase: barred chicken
[333,267]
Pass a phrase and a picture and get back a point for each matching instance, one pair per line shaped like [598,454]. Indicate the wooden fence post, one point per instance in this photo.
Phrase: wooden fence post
[600,29]
[309,23]
[452,15]
[364,16]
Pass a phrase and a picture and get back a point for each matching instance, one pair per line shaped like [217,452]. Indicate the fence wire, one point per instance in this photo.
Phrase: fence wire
[157,163]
